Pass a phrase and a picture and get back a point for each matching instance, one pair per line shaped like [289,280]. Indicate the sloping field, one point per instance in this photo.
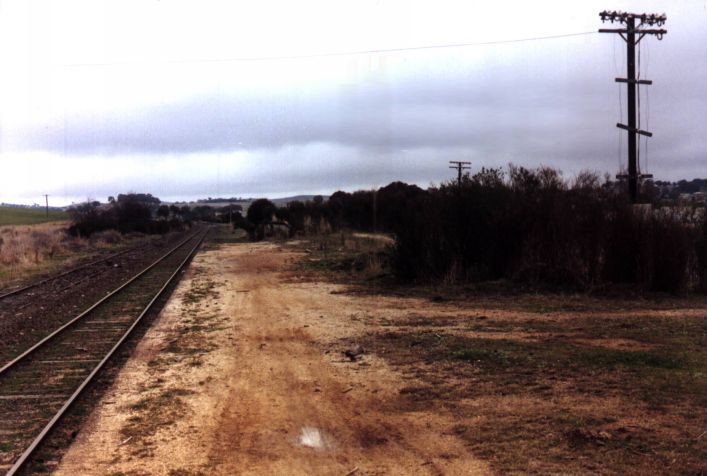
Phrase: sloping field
[28,216]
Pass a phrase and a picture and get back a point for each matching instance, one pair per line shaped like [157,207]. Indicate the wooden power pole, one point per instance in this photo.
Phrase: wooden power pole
[459,166]
[46,203]
[632,34]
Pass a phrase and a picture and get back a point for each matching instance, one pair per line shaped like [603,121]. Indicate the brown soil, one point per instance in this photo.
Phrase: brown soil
[243,373]
[262,364]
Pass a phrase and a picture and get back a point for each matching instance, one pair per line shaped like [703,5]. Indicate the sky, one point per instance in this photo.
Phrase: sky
[191,99]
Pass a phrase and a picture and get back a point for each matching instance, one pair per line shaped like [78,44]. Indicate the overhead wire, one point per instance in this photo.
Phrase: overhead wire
[638,88]
[621,111]
[648,106]
[335,54]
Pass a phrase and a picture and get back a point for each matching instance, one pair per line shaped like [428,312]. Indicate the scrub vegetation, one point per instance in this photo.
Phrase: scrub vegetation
[529,227]
[30,250]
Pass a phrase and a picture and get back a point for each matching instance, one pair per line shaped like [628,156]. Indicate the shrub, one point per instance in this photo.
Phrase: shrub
[260,212]
[130,213]
[526,225]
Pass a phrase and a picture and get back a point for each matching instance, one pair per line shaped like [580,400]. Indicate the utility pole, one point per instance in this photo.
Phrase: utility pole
[632,35]
[46,202]
[459,166]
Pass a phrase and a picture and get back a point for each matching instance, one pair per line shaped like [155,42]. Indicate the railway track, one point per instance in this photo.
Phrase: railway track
[7,293]
[29,313]
[38,387]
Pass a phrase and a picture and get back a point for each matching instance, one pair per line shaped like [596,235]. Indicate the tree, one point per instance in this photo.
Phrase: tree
[204,212]
[259,214]
[134,212]
[163,211]
[296,212]
[88,218]
[261,211]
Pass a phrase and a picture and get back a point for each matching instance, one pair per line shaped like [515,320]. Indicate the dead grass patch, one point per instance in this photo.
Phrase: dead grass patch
[29,250]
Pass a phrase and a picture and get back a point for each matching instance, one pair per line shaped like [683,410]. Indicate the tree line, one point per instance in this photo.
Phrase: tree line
[142,213]
[523,225]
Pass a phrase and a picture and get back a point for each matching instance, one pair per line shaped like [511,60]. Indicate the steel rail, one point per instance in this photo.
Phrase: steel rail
[61,329]
[24,458]
[65,273]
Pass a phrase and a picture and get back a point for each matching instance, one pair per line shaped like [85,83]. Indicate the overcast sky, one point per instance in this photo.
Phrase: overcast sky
[188,99]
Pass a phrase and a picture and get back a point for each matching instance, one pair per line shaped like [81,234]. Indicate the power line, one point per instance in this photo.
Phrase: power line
[335,54]
[632,32]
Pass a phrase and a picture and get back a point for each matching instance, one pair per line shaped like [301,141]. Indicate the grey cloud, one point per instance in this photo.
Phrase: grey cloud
[450,113]
[534,112]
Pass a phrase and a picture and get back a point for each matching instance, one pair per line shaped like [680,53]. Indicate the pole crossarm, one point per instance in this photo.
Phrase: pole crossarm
[640,31]
[633,129]
[624,17]
[641,176]
[634,81]
[459,165]
[629,19]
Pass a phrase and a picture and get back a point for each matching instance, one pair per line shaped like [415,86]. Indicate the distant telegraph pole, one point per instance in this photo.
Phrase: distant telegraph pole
[632,35]
[46,202]
[459,166]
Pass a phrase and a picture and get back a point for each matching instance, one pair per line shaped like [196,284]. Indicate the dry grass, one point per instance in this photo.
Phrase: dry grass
[541,383]
[552,404]
[25,249]
[30,244]
[28,250]
[363,254]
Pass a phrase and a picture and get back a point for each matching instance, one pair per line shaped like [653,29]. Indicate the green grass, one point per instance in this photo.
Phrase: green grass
[28,216]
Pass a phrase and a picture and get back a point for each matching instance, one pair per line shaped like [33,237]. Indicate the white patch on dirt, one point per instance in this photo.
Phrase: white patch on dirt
[311,437]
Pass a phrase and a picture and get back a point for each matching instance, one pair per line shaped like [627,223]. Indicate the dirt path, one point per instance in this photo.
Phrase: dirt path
[243,374]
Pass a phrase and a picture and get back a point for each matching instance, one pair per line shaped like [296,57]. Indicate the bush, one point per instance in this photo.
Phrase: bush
[538,229]
[130,213]
[260,212]
[532,227]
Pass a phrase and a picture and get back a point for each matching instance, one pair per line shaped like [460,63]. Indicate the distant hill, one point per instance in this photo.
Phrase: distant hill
[301,198]
[221,200]
[245,202]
